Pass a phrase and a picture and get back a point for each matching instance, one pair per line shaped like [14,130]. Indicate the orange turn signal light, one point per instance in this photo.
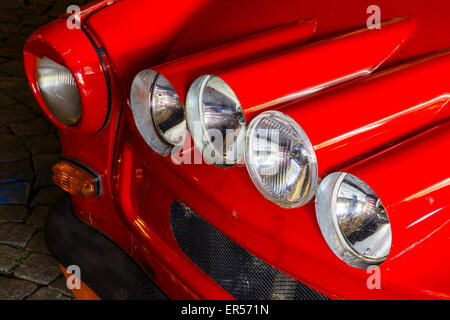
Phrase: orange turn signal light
[75,180]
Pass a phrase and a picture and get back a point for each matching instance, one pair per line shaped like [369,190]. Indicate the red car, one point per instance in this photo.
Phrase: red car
[253,149]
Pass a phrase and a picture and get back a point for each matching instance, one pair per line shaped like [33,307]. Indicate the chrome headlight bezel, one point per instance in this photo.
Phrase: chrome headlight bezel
[326,203]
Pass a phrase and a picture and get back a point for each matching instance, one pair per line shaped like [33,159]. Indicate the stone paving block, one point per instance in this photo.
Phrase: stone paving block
[16,87]
[10,52]
[43,164]
[8,256]
[44,179]
[33,19]
[13,68]
[37,244]
[17,41]
[46,293]
[28,30]
[15,114]
[9,85]
[25,97]
[45,161]
[44,144]
[32,127]
[12,213]
[3,129]
[12,171]
[14,289]
[5,100]
[10,16]
[60,284]
[21,120]
[14,193]
[47,196]
[9,28]
[39,216]
[38,268]
[11,4]
[15,234]
[11,148]
[37,6]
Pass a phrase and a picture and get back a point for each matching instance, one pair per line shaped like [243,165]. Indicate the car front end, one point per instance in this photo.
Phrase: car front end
[358,114]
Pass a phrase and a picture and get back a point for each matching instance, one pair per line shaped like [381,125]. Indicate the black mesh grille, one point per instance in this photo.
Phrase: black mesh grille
[240,273]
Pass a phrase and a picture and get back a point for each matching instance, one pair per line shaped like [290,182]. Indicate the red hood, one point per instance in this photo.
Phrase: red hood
[151,32]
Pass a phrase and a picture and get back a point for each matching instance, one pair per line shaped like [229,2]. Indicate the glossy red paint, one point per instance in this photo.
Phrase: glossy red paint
[366,116]
[269,82]
[56,42]
[155,32]
[131,181]
[417,205]
[96,151]
[146,33]
[182,72]
[127,30]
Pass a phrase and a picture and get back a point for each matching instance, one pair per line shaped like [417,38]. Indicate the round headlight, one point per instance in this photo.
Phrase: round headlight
[281,160]
[157,111]
[216,121]
[59,91]
[353,220]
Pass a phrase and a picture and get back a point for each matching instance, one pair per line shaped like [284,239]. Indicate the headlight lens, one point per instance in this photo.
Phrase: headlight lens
[281,160]
[216,121]
[59,91]
[353,220]
[157,111]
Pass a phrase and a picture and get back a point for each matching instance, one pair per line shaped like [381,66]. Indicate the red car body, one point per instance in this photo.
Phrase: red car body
[388,127]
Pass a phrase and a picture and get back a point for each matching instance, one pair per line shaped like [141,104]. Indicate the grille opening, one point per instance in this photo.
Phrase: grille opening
[240,273]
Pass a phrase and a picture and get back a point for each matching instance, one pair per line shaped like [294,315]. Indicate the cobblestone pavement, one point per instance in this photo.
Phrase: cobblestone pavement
[28,148]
